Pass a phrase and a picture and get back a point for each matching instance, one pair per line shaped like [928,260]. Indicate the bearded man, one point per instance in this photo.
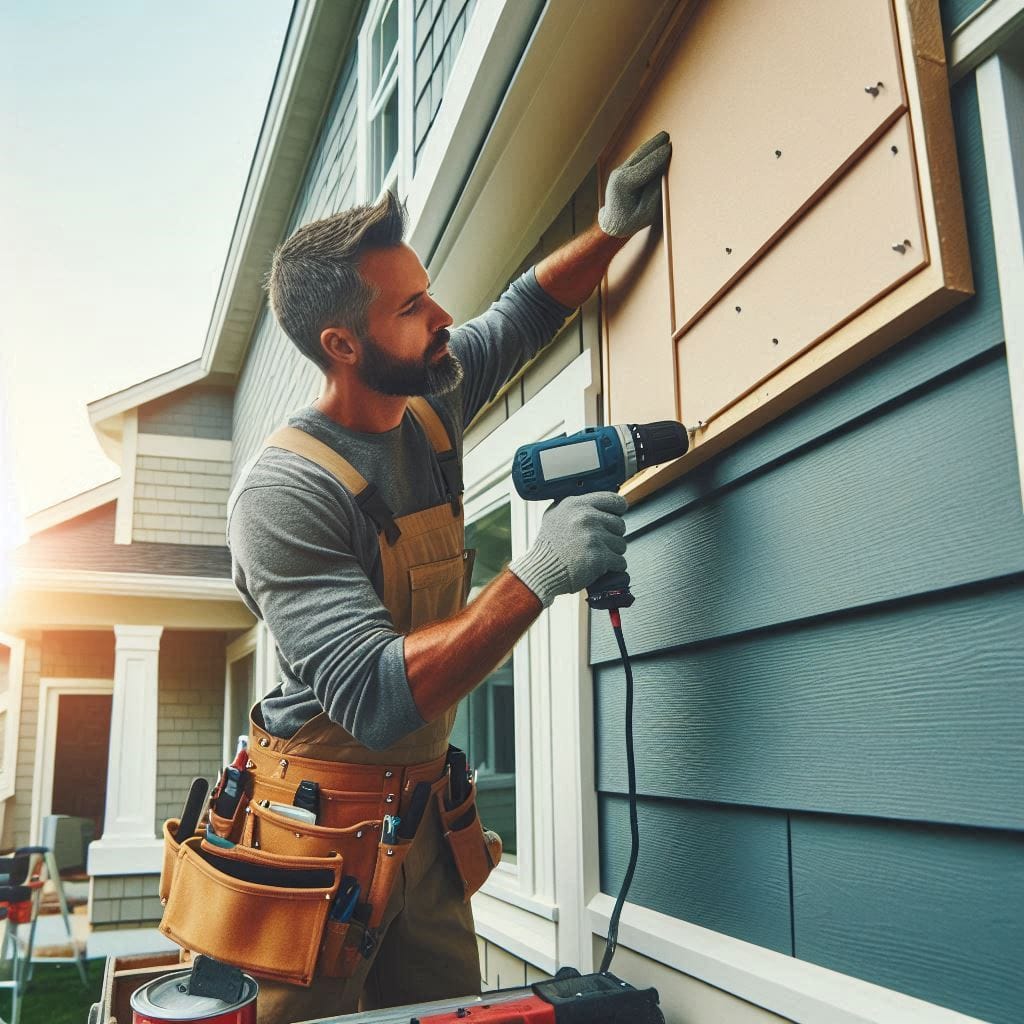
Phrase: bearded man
[347,540]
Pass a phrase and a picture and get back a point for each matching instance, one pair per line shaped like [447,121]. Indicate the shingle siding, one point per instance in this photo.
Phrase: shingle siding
[194,411]
[276,378]
[827,643]
[181,501]
[191,716]
[124,900]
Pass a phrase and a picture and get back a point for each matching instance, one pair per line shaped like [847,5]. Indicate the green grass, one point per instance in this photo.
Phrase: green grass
[56,996]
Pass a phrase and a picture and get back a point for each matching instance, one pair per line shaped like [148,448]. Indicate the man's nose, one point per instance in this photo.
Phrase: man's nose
[441,318]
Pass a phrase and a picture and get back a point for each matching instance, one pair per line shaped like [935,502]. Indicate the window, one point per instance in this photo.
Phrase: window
[381,57]
[485,725]
[250,672]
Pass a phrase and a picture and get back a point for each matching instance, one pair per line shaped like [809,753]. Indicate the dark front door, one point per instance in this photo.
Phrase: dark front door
[80,761]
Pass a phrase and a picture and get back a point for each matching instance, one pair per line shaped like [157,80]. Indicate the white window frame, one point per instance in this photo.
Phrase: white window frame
[998,29]
[51,689]
[534,908]
[258,642]
[400,67]
[484,503]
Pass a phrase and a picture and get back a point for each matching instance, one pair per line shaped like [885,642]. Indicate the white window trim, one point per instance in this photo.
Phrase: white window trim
[10,707]
[50,692]
[535,910]
[400,173]
[259,643]
[1001,106]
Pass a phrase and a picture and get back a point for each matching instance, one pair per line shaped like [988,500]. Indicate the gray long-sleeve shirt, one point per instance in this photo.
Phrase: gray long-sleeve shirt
[306,560]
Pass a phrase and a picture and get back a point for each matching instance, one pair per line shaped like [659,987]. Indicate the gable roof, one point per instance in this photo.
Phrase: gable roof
[86,542]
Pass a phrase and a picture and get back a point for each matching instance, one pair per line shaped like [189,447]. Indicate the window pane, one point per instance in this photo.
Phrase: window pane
[384,142]
[384,40]
[485,724]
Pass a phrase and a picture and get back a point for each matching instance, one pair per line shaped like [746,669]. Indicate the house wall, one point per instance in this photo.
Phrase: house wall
[181,489]
[581,333]
[191,716]
[194,411]
[827,655]
[18,812]
[181,500]
[62,655]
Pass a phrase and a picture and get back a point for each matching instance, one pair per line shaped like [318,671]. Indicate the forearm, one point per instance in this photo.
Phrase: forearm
[571,273]
[446,660]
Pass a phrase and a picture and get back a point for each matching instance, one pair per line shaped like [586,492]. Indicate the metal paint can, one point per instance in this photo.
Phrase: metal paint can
[167,1000]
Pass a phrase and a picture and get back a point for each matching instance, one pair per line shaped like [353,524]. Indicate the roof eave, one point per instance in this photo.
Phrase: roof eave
[316,46]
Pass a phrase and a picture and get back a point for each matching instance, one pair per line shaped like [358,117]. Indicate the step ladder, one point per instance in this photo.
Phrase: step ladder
[23,876]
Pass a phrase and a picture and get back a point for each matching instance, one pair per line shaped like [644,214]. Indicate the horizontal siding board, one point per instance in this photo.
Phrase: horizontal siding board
[910,502]
[721,868]
[905,712]
[971,329]
[936,913]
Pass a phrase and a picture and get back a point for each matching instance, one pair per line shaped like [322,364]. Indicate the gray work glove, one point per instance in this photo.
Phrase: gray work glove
[580,539]
[633,195]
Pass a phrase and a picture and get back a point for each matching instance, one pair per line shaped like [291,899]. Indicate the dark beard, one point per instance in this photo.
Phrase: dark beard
[392,376]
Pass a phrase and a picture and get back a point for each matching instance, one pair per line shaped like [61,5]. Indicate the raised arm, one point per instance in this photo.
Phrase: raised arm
[632,201]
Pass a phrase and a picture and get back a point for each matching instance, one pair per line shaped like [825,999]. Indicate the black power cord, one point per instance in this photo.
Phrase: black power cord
[634,826]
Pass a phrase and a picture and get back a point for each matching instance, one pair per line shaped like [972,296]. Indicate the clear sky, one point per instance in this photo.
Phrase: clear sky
[126,132]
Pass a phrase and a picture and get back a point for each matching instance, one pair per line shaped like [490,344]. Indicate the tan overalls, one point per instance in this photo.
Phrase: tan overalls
[425,946]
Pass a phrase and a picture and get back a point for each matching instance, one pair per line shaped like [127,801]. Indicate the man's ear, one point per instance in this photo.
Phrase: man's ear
[339,344]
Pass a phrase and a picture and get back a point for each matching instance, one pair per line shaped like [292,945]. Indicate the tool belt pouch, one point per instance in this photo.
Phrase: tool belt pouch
[476,853]
[229,828]
[361,939]
[171,847]
[278,834]
[263,913]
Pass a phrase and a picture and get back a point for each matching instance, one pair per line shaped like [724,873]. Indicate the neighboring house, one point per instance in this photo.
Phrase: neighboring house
[827,631]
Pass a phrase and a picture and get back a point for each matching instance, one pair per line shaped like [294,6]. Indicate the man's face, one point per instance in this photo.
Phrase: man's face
[405,350]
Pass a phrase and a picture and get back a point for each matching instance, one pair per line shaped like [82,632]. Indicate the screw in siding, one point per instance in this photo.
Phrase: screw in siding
[873,89]
[778,153]
[895,150]
[902,247]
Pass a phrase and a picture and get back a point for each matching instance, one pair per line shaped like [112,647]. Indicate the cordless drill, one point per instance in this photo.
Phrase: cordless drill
[596,459]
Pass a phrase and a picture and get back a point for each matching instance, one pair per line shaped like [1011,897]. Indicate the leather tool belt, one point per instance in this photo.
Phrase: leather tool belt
[291,900]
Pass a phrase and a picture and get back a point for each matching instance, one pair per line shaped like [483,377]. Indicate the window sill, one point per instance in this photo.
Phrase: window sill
[525,928]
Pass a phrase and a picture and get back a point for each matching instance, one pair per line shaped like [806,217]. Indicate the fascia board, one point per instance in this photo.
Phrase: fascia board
[72,507]
[317,43]
[579,73]
[124,584]
[103,411]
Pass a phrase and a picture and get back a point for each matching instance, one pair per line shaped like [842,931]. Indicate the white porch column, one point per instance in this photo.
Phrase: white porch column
[129,845]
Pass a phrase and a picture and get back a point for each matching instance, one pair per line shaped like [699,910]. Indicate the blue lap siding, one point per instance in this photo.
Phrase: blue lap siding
[830,669]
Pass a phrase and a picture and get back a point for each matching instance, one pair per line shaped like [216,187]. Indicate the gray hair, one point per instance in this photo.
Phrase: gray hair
[314,280]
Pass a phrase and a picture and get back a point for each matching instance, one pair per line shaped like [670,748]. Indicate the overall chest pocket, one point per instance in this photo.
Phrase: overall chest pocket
[439,589]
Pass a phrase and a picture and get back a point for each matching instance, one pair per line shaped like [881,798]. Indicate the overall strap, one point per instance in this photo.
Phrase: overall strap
[367,497]
[447,457]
